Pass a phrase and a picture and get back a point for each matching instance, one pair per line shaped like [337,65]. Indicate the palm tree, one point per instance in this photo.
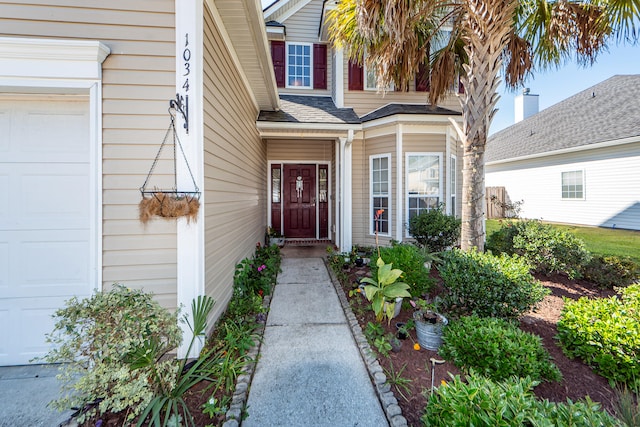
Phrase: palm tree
[476,40]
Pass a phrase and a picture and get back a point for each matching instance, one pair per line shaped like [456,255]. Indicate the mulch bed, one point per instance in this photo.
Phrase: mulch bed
[578,379]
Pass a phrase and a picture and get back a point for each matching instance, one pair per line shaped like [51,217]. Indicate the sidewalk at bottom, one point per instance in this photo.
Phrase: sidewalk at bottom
[310,371]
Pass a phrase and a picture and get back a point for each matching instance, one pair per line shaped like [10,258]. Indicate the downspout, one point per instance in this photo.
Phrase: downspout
[346,192]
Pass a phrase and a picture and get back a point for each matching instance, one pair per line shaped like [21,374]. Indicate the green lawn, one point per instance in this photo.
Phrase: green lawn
[603,241]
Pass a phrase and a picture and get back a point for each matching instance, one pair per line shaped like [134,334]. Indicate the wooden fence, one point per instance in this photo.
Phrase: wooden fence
[495,199]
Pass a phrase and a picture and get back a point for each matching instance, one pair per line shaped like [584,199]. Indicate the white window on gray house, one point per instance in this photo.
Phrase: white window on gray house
[299,65]
[453,184]
[573,185]
[380,179]
[423,182]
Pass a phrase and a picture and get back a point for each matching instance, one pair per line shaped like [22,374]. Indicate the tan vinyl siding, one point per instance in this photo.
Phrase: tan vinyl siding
[235,168]
[303,150]
[138,81]
[365,101]
[302,27]
[373,146]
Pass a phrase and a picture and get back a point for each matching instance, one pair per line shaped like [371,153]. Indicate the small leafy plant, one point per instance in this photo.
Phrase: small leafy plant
[435,230]
[480,401]
[611,271]
[487,285]
[383,292]
[605,334]
[497,349]
[94,339]
[410,259]
[547,248]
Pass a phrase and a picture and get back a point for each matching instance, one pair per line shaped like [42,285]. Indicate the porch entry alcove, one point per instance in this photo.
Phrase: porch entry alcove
[300,200]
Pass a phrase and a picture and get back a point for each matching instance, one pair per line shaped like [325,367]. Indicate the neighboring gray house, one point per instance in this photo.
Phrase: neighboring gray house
[577,161]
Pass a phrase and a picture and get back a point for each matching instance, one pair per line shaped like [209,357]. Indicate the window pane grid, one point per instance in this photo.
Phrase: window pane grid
[379,176]
[299,65]
[572,185]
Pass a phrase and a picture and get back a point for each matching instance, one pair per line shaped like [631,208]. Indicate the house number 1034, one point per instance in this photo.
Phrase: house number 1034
[186,56]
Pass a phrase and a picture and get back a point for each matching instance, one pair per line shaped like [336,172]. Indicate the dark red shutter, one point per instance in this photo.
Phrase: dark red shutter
[319,66]
[460,86]
[356,76]
[422,78]
[279,63]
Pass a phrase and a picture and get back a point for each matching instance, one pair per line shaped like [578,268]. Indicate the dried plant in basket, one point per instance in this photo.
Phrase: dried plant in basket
[168,205]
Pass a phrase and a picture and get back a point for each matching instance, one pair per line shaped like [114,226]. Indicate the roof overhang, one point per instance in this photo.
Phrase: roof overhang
[605,144]
[247,38]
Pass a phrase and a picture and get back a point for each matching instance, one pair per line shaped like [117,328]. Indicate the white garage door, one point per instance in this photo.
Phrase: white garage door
[44,218]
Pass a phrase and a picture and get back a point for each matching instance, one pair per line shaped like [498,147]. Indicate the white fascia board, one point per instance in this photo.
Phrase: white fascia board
[595,146]
[307,127]
[51,59]
[409,119]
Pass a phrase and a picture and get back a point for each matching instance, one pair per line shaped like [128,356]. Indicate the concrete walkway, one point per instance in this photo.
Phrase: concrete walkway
[310,371]
[25,392]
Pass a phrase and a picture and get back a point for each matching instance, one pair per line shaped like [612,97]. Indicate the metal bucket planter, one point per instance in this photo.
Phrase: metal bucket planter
[429,334]
[397,308]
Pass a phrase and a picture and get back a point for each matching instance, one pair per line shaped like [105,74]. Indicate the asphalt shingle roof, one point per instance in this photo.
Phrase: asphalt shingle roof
[607,111]
[391,109]
[309,109]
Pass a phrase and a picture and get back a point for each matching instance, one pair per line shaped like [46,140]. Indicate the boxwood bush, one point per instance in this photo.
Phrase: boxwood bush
[497,349]
[610,271]
[409,259]
[434,230]
[605,334]
[479,401]
[547,248]
[487,285]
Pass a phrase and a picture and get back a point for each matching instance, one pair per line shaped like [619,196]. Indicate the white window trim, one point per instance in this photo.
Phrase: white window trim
[453,183]
[406,180]
[584,185]
[365,68]
[286,65]
[372,230]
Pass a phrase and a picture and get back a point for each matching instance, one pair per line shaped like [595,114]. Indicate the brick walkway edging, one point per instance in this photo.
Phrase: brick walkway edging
[376,374]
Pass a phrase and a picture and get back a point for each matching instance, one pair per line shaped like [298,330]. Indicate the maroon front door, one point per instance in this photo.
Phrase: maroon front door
[299,194]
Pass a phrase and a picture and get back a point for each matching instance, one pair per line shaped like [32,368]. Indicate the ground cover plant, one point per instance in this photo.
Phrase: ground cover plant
[497,349]
[605,333]
[480,401]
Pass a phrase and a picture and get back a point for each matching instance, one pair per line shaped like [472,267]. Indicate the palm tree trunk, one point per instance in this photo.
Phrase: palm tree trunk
[488,24]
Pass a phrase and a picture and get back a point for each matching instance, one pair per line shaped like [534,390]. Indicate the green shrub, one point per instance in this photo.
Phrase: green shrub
[488,285]
[435,230]
[95,337]
[410,260]
[610,271]
[257,275]
[497,349]
[605,334]
[547,248]
[482,402]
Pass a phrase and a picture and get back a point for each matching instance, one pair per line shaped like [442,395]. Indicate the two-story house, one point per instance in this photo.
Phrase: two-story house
[359,150]
[282,131]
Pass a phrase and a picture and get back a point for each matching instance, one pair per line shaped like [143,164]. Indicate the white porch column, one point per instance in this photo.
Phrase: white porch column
[346,203]
[190,245]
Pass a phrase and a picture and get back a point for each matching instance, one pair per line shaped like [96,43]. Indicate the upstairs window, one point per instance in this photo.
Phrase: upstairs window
[573,185]
[299,65]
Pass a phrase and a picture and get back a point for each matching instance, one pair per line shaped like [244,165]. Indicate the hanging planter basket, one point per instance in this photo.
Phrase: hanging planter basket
[171,203]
